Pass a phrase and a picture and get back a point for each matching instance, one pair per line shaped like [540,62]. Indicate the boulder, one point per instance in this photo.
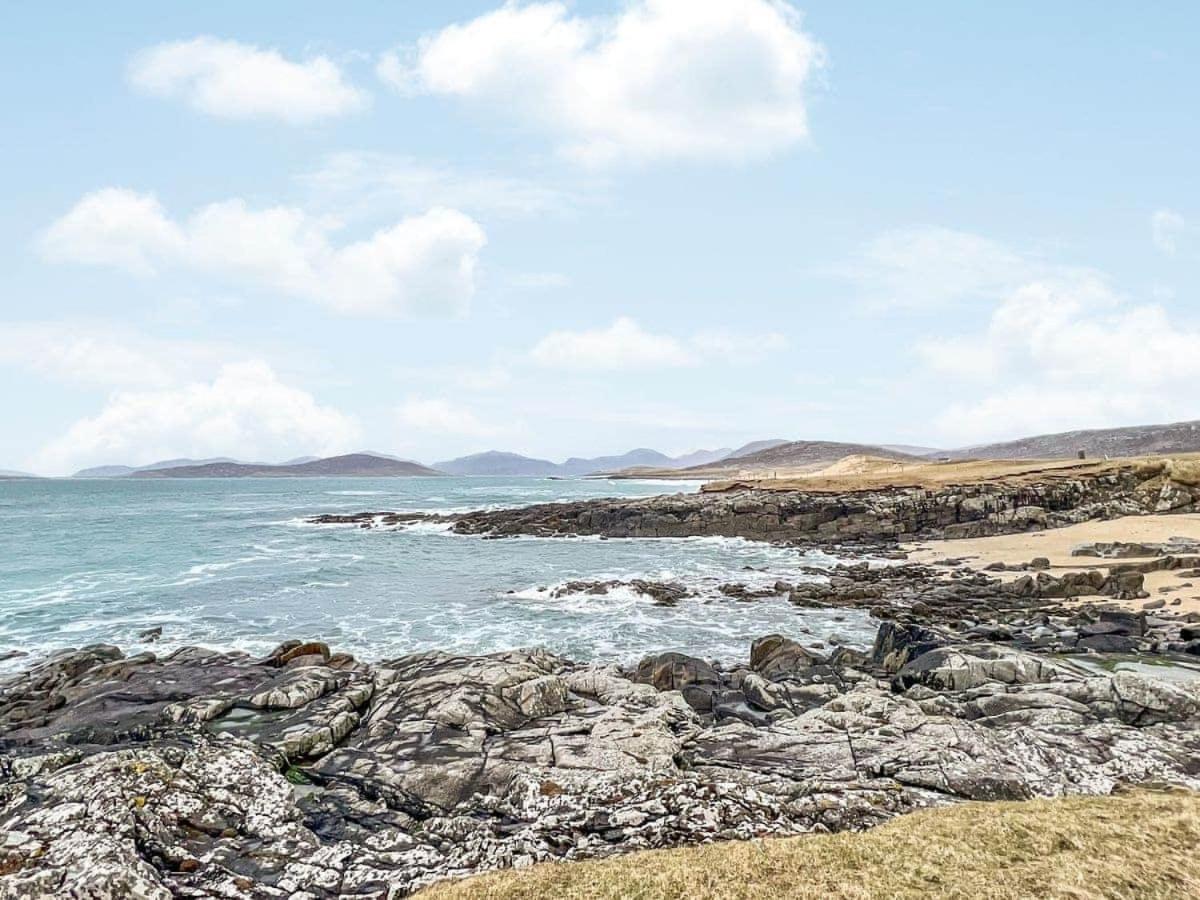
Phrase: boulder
[776,657]
[967,666]
[694,677]
[896,645]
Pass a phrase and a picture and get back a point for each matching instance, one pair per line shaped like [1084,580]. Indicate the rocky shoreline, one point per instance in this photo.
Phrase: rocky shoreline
[311,774]
[842,517]
[307,773]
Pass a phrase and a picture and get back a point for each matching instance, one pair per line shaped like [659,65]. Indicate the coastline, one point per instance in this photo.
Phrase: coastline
[1072,549]
[306,770]
[205,773]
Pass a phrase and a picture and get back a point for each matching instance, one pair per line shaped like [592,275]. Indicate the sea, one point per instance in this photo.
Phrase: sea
[233,564]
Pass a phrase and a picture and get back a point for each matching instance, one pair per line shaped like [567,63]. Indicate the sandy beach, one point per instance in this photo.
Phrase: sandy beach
[1056,545]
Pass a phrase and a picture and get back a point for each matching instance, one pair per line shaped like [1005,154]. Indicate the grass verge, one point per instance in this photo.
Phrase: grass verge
[1141,844]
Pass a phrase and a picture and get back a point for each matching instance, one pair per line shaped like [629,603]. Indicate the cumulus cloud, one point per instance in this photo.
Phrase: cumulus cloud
[245,410]
[927,267]
[97,355]
[424,263]
[626,346]
[1026,409]
[662,79]
[1165,227]
[114,227]
[441,417]
[232,80]
[1066,353]
[623,345]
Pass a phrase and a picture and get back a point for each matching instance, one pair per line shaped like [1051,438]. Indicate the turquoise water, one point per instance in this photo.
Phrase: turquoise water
[231,563]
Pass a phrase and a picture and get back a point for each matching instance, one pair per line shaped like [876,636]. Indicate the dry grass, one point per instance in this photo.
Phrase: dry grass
[1184,471]
[1141,845]
[863,475]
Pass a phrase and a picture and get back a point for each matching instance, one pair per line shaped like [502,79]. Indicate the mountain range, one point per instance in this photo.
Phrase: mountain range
[495,462]
[351,464]
[776,455]
[1137,440]
[757,456]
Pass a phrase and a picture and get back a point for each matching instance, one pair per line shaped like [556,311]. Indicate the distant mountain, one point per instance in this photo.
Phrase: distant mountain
[177,463]
[702,457]
[805,454]
[10,473]
[783,457]
[105,472]
[120,471]
[914,451]
[352,464]
[640,457]
[754,447]
[1137,440]
[495,462]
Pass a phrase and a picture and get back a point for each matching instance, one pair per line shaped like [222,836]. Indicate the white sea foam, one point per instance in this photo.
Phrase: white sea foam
[425,527]
[210,568]
[233,566]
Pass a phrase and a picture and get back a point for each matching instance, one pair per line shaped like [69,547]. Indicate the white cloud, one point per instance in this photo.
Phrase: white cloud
[441,417]
[625,346]
[240,81]
[1015,412]
[663,79]
[114,227]
[621,346]
[246,410]
[1068,353]
[1165,227]
[415,185]
[424,263]
[929,267]
[97,355]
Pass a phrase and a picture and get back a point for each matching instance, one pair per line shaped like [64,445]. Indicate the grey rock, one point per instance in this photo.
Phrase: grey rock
[146,777]
[957,511]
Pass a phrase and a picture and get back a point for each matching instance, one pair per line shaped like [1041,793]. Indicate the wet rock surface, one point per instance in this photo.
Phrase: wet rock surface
[663,593]
[382,519]
[310,774]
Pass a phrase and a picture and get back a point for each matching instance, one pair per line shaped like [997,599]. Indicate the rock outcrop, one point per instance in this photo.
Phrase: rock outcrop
[894,514]
[310,774]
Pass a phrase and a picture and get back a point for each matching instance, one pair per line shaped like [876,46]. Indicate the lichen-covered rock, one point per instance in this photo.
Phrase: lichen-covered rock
[217,775]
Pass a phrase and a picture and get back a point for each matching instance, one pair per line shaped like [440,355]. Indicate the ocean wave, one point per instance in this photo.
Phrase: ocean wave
[425,528]
[207,568]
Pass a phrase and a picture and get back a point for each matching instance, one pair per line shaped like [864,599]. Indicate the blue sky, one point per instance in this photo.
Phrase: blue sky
[266,230]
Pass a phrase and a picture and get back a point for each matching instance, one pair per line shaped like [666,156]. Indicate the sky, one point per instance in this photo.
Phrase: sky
[276,229]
